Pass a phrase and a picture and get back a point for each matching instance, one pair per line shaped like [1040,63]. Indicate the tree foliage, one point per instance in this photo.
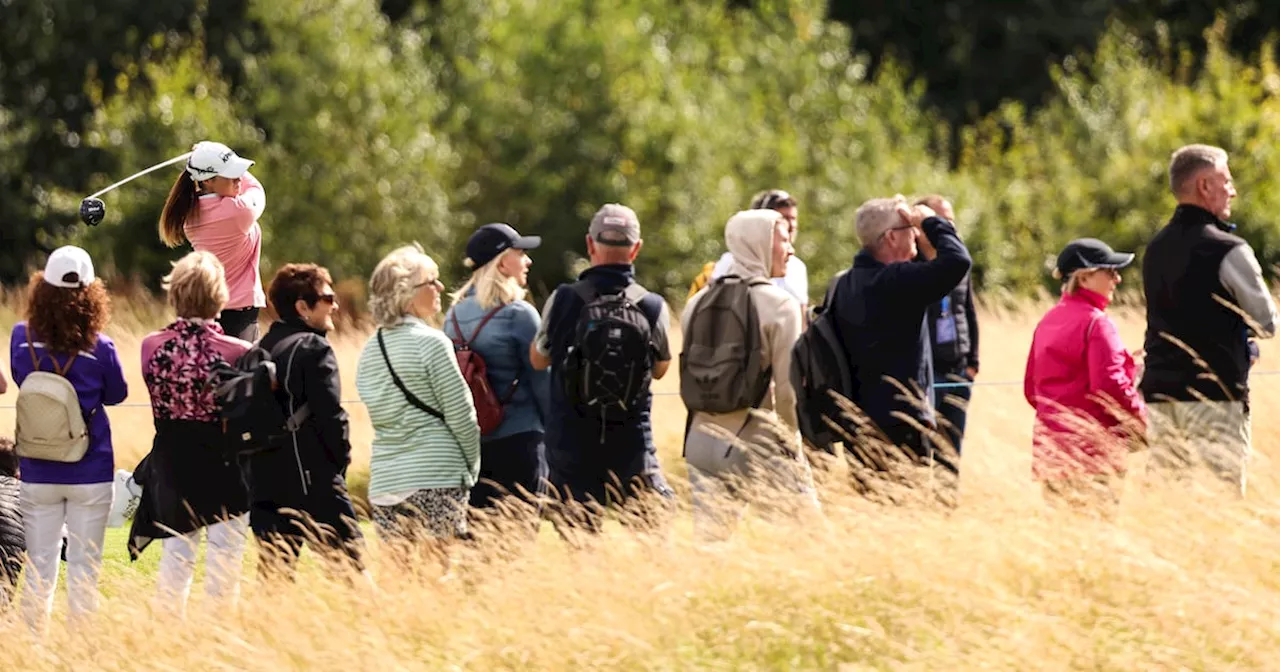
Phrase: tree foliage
[377,123]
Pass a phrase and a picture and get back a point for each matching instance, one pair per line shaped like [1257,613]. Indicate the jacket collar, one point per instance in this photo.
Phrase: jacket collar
[623,273]
[1194,215]
[413,320]
[1088,296]
[864,259]
[195,323]
[295,324]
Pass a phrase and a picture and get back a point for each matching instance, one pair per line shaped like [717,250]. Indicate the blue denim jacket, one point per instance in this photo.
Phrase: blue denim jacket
[504,345]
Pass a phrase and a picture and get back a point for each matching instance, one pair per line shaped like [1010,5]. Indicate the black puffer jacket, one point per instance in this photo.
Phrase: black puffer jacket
[12,539]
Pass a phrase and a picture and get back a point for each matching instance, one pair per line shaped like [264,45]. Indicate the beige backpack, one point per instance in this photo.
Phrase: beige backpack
[51,425]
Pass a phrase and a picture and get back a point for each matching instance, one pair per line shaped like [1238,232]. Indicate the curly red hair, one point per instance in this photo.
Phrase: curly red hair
[65,319]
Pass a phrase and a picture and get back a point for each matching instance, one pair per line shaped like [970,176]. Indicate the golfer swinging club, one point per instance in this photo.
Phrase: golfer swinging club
[215,204]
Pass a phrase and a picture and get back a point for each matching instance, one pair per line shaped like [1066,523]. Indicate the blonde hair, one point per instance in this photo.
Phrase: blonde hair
[492,288]
[197,286]
[395,280]
[1071,283]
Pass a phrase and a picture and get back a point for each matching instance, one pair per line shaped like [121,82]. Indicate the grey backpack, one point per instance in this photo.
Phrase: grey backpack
[722,368]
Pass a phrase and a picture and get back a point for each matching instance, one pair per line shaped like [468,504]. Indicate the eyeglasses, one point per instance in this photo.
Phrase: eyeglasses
[433,282]
[896,228]
[330,299]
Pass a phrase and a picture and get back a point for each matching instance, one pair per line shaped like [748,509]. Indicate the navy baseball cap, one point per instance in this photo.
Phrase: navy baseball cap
[1085,253]
[491,240]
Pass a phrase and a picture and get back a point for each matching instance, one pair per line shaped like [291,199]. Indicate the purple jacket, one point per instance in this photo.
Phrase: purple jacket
[99,381]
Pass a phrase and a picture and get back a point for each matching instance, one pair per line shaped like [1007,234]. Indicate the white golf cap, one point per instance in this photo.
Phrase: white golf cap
[214,159]
[69,267]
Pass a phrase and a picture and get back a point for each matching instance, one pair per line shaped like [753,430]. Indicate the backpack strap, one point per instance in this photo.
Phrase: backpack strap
[635,292]
[476,334]
[294,423]
[457,342]
[585,290]
[409,396]
[31,347]
[35,361]
[751,282]
[303,412]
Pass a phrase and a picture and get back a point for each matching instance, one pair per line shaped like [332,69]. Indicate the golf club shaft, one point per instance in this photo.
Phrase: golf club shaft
[140,173]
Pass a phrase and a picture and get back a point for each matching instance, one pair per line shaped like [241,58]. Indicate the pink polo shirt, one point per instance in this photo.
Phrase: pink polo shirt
[228,227]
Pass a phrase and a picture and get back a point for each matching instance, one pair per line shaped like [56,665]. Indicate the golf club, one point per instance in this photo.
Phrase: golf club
[93,210]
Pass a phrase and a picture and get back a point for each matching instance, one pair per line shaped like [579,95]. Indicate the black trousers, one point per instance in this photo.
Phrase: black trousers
[508,466]
[326,522]
[241,323]
[580,501]
[952,403]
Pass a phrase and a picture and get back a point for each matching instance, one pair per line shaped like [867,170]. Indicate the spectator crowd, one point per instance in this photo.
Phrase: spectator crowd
[494,409]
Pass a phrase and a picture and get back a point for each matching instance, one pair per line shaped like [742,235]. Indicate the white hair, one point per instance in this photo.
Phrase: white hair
[396,280]
[875,217]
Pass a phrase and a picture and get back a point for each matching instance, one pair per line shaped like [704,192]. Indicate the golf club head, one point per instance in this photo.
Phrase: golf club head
[92,210]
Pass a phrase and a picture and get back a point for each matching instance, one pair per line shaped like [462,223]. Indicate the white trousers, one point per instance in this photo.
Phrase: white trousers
[222,562]
[777,486]
[46,507]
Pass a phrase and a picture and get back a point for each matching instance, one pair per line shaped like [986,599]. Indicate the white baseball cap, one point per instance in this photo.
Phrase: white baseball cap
[69,267]
[214,159]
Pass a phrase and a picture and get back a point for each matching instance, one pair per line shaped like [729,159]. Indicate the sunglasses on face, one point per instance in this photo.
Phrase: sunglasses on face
[330,299]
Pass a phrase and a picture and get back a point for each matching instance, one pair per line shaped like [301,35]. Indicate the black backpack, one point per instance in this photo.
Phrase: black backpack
[251,416]
[609,364]
[819,367]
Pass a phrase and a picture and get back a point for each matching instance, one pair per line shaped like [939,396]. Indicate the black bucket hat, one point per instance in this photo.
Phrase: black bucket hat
[1089,253]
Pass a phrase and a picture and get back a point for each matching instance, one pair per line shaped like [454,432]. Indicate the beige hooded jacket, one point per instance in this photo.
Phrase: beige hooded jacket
[749,236]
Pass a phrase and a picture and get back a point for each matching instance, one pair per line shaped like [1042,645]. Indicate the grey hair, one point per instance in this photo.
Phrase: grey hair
[875,217]
[1189,160]
[392,285]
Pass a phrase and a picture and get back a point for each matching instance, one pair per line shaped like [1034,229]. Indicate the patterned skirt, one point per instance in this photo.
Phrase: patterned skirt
[431,512]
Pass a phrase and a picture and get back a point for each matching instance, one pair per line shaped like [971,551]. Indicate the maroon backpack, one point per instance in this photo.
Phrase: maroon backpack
[489,407]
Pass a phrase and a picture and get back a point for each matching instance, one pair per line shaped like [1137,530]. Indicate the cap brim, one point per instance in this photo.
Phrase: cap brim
[527,243]
[235,168]
[1117,260]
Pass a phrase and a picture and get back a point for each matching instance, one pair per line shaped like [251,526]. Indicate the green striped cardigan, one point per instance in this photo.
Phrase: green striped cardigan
[411,449]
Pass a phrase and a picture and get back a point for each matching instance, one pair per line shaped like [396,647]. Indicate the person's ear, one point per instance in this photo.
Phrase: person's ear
[635,249]
[302,308]
[591,247]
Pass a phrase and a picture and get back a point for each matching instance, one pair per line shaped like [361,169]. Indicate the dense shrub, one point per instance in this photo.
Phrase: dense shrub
[370,133]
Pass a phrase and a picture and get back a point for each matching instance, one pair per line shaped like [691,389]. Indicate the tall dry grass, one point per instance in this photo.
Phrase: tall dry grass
[1185,578]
